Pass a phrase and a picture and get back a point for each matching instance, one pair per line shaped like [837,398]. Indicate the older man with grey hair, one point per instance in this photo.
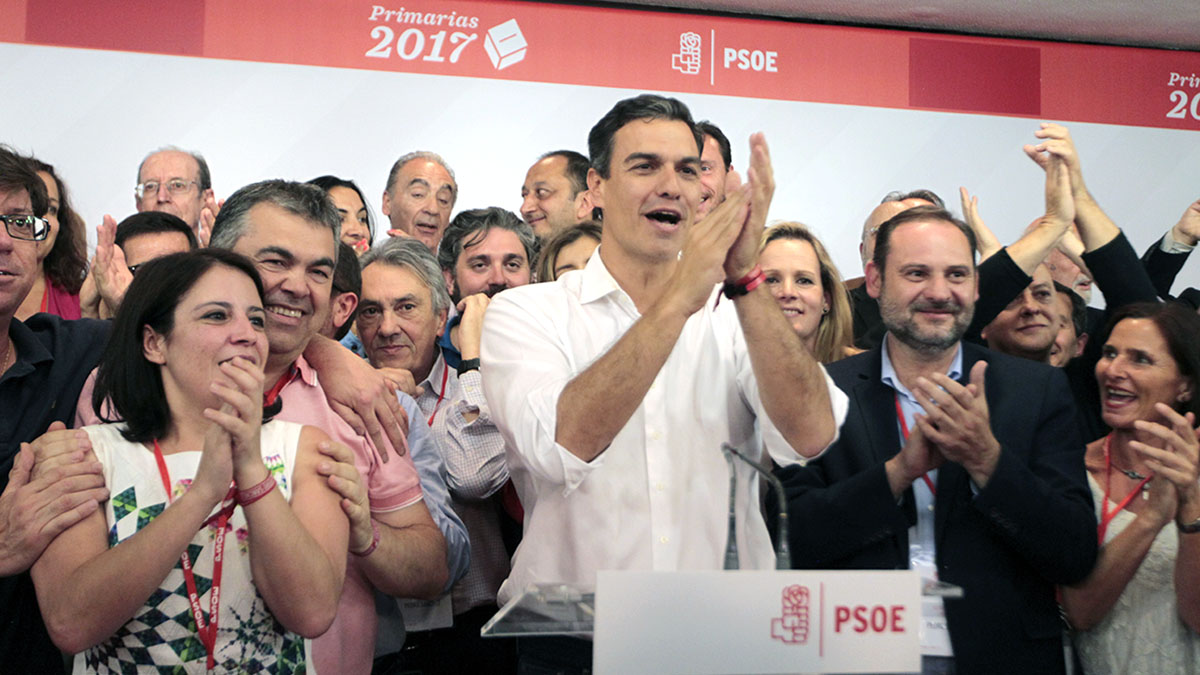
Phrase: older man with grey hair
[420,193]
[402,322]
[178,182]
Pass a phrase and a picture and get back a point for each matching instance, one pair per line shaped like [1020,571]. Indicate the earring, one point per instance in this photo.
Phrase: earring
[825,309]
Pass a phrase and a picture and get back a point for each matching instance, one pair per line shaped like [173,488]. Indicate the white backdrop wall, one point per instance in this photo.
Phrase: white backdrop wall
[95,114]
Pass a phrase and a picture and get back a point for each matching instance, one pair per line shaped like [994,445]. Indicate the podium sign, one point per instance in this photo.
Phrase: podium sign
[758,622]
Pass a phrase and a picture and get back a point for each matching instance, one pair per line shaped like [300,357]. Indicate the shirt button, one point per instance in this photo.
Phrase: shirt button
[660,487]
[664,539]
[654,435]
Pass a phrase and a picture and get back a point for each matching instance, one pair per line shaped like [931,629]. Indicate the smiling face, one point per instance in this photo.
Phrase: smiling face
[219,319]
[652,192]
[419,202]
[927,292]
[396,321]
[712,176]
[295,259]
[1028,326]
[1135,371]
[355,231]
[548,202]
[493,264]
[18,258]
[794,276]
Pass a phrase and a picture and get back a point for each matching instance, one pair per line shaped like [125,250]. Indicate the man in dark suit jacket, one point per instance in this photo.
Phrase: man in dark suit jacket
[1011,513]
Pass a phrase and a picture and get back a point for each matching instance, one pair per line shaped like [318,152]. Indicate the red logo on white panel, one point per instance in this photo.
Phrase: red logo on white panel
[689,58]
[792,627]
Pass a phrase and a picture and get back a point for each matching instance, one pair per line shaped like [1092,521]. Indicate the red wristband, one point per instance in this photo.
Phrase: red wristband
[375,536]
[744,285]
[253,494]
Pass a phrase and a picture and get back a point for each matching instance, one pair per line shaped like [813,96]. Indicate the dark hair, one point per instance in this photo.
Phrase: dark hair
[1179,327]
[710,129]
[154,222]
[643,107]
[470,227]
[134,384]
[17,173]
[203,177]
[576,171]
[921,193]
[66,264]
[327,183]
[548,257]
[883,239]
[347,278]
[307,201]
[1079,315]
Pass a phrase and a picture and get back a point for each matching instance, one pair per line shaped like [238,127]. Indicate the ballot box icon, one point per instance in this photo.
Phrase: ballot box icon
[504,44]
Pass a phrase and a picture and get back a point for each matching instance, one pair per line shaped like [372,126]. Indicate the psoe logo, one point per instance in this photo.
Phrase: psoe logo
[505,44]
[792,627]
[688,59]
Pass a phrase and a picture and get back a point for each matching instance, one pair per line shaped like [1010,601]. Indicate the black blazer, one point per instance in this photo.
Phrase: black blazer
[1031,527]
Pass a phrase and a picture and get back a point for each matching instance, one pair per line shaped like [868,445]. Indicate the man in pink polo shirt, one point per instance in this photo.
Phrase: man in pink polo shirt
[290,231]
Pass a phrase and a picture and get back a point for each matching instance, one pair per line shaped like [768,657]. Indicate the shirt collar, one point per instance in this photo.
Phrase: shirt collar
[887,374]
[307,373]
[597,281]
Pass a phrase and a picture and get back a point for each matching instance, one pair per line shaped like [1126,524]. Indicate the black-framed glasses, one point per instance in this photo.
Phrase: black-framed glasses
[29,228]
[175,186]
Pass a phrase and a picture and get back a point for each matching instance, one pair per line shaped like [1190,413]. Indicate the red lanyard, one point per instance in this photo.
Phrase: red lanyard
[441,394]
[207,632]
[45,296]
[284,380]
[904,430]
[1106,516]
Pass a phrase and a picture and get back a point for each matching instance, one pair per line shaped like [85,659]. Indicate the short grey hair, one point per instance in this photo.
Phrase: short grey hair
[203,177]
[307,201]
[416,257]
[422,154]
[470,227]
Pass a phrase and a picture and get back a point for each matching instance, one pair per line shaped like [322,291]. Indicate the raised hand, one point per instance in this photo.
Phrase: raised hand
[743,255]
[1178,458]
[470,329]
[957,421]
[110,271]
[1187,230]
[240,416]
[988,243]
[706,249]
[1056,141]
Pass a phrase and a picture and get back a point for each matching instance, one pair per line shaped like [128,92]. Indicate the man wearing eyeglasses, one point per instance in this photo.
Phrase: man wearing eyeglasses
[49,484]
[177,182]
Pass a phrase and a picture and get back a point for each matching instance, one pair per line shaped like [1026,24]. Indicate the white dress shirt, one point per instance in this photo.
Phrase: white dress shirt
[658,497]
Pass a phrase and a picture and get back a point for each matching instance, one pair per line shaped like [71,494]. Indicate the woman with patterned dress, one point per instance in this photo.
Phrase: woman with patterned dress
[220,549]
[1139,610]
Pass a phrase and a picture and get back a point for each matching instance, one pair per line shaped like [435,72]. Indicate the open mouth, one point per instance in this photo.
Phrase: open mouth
[665,217]
[285,311]
[1116,398]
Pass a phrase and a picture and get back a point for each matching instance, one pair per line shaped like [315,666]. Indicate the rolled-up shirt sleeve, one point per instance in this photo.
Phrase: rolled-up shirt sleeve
[526,364]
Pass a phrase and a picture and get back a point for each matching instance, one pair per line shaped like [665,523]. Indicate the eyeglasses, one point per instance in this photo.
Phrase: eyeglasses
[29,228]
[175,186]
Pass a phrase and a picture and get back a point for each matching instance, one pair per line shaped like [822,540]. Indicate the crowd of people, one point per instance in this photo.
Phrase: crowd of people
[265,433]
